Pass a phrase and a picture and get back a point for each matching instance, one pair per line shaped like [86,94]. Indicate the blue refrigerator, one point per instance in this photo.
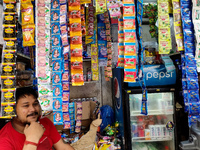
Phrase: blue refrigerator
[153,131]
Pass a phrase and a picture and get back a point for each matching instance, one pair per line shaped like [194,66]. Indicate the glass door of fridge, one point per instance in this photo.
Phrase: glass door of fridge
[150,132]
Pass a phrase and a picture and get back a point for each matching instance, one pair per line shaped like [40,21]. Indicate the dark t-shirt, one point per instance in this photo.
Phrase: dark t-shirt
[10,139]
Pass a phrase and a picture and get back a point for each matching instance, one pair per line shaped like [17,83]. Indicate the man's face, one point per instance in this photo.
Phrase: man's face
[28,109]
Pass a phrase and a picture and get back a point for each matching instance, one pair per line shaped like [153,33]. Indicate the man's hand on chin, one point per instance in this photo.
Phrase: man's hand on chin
[34,132]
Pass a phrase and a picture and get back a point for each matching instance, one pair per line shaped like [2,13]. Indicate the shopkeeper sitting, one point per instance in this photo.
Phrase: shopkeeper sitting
[27,131]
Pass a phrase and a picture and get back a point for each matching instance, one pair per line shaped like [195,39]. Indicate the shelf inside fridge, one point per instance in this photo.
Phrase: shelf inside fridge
[142,139]
[151,112]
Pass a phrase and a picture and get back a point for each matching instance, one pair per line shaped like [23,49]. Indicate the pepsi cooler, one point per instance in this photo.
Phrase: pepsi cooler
[156,130]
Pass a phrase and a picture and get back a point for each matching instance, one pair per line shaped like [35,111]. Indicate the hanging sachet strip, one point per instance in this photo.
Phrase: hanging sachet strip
[76,44]
[102,40]
[164,34]
[196,22]
[108,68]
[189,68]
[42,55]
[140,52]
[120,61]
[129,40]
[178,25]
[8,60]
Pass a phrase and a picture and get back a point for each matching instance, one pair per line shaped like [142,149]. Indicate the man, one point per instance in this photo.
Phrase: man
[27,131]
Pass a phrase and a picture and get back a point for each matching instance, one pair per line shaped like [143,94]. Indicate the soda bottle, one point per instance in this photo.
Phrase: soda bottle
[141,127]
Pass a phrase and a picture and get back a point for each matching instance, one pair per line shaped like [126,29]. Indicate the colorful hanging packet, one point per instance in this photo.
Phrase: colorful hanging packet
[78,116]
[129,38]
[120,62]
[76,41]
[108,69]
[164,25]
[178,25]
[101,6]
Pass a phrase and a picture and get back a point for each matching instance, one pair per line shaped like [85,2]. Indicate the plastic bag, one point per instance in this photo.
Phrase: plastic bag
[107,115]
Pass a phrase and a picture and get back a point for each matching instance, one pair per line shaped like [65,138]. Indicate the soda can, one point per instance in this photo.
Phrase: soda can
[163,131]
[152,132]
[134,127]
[158,131]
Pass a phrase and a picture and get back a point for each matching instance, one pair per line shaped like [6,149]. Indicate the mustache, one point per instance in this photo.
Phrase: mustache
[33,114]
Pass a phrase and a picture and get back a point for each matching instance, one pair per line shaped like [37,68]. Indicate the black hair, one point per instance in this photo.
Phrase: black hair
[22,92]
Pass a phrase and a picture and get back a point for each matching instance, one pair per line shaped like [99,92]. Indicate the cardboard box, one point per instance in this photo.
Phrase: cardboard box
[88,108]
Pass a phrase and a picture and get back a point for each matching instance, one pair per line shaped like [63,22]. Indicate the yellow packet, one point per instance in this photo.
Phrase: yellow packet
[163,20]
[85,1]
[27,14]
[77,77]
[101,6]
[71,8]
[28,32]
[25,1]
[164,33]
[129,76]
[163,8]
[9,1]
[164,46]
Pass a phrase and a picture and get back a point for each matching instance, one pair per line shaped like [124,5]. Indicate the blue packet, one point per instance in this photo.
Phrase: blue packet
[66,66]
[57,104]
[144,108]
[183,72]
[57,90]
[65,85]
[55,40]
[55,28]
[55,16]
[66,125]
[182,59]
[186,108]
[65,106]
[63,9]
[185,96]
[63,19]
[193,96]
[101,32]
[57,65]
[66,116]
[56,77]
[55,4]
[58,118]
[56,53]
[186,3]
[189,47]
[100,18]
[71,105]
[72,129]
[63,1]
[65,96]
[185,10]
[190,60]
[65,76]
[193,109]
[192,120]
[188,35]
[184,84]
[72,116]
[64,39]
[72,122]
[187,23]
[191,72]
[192,84]
[102,47]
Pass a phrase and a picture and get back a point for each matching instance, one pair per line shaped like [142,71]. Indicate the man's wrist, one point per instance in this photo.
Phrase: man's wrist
[31,143]
[34,140]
